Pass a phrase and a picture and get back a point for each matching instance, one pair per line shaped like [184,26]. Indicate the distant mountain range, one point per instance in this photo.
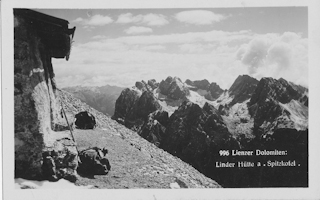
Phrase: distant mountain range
[101,98]
[195,120]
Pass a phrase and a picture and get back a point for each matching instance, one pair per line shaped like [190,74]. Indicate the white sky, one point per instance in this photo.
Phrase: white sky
[122,46]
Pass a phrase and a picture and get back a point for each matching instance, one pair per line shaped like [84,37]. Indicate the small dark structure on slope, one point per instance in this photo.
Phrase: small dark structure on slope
[85,120]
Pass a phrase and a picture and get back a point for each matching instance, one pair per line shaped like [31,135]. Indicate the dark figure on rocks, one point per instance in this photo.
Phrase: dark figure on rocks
[94,161]
[85,120]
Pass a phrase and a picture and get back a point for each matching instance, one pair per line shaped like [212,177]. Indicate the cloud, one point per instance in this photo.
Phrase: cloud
[128,18]
[154,20]
[149,19]
[153,47]
[199,17]
[280,54]
[191,48]
[138,30]
[218,56]
[276,56]
[219,37]
[124,60]
[255,54]
[78,20]
[95,20]
[98,37]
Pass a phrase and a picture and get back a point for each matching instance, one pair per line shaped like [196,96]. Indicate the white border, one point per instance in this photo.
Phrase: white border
[313,192]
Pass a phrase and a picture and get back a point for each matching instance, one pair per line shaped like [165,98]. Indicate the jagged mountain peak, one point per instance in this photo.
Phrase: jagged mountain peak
[242,88]
[174,88]
[241,83]
[277,90]
[199,84]
[210,91]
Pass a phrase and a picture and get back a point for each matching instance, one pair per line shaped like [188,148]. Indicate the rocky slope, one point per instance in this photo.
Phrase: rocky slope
[195,119]
[135,162]
[101,98]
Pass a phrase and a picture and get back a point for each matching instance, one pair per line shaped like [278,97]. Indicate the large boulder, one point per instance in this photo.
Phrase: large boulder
[85,120]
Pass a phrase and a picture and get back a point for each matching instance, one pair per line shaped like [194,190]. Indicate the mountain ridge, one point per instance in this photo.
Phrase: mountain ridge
[249,114]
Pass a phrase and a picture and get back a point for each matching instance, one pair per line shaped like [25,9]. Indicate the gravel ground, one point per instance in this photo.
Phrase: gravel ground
[135,162]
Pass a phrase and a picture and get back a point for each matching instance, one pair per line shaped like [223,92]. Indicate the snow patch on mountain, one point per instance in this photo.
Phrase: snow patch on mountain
[224,98]
[202,92]
[167,104]
[239,121]
[197,98]
[297,113]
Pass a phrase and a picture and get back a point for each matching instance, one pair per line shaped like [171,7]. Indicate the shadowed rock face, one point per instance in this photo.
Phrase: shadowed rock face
[264,103]
[133,109]
[214,90]
[153,83]
[242,88]
[36,109]
[202,84]
[125,104]
[154,128]
[195,135]
[173,88]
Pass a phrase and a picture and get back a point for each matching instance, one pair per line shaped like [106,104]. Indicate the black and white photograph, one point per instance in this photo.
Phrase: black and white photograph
[190,100]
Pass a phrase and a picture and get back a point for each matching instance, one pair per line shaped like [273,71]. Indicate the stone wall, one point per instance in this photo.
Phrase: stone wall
[37,110]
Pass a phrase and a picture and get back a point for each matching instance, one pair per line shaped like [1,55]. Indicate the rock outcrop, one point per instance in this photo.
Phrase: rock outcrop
[133,108]
[277,103]
[174,88]
[196,135]
[242,88]
[213,91]
[38,146]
